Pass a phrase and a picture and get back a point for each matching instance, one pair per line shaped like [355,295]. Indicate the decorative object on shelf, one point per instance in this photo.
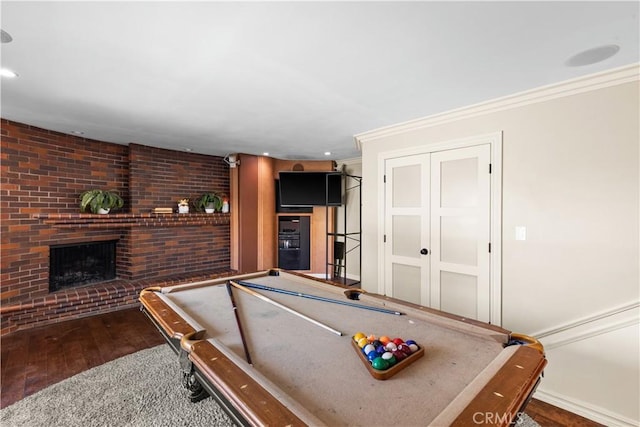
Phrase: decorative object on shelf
[209,202]
[162,210]
[225,204]
[183,206]
[100,201]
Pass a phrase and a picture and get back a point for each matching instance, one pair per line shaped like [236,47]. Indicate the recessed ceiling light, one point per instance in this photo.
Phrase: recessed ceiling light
[265,153]
[593,55]
[77,132]
[188,150]
[327,153]
[5,37]
[5,72]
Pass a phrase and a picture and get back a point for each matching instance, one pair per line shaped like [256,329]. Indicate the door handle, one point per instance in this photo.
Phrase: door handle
[424,251]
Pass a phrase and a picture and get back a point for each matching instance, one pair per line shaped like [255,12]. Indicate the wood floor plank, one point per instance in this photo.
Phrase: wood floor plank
[90,347]
[13,375]
[36,373]
[551,416]
[73,352]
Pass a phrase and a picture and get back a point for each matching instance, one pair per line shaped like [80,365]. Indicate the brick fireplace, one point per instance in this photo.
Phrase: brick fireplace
[43,173]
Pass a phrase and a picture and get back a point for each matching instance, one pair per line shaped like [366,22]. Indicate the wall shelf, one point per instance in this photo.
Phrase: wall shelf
[133,220]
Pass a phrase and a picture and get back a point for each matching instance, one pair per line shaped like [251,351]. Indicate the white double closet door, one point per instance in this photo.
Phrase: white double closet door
[437,230]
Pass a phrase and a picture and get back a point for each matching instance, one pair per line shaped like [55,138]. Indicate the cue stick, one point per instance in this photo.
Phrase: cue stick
[315,297]
[284,307]
[235,311]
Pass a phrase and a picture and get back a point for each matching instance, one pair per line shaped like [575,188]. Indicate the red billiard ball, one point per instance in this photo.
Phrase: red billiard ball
[398,341]
[405,349]
[399,355]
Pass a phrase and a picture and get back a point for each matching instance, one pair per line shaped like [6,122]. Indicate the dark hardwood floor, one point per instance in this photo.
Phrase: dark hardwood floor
[39,357]
[34,359]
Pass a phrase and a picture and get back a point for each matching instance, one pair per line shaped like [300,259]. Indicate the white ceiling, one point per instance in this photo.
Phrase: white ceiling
[294,79]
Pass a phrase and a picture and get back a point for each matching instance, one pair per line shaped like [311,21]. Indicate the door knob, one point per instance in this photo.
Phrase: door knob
[424,251]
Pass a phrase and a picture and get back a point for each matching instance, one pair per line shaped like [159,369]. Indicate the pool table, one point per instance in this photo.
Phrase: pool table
[305,369]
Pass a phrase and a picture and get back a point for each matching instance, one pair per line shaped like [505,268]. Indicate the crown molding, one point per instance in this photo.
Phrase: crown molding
[613,77]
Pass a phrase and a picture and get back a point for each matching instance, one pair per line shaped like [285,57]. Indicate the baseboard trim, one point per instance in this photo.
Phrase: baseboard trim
[584,409]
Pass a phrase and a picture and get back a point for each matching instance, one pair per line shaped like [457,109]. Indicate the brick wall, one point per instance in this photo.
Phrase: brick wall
[43,172]
[161,177]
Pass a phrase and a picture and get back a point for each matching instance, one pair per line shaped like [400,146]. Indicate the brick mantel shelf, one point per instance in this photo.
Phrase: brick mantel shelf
[133,220]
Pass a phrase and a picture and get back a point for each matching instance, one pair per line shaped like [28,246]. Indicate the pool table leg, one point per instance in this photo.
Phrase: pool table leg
[199,389]
[189,381]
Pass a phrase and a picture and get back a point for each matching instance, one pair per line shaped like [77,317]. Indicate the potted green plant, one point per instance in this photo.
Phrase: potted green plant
[209,202]
[100,201]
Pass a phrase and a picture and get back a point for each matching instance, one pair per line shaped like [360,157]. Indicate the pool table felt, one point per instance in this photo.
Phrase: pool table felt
[321,371]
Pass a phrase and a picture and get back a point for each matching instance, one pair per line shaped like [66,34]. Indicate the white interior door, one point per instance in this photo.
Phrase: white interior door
[407,228]
[460,231]
[437,230]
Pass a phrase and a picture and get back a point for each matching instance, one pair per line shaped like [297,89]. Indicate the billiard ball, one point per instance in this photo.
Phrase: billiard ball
[368,349]
[404,348]
[389,357]
[380,364]
[399,355]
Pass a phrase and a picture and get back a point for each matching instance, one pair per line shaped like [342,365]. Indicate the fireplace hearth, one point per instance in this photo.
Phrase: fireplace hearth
[81,264]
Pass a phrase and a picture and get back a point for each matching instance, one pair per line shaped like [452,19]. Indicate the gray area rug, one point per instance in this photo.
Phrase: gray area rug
[141,389]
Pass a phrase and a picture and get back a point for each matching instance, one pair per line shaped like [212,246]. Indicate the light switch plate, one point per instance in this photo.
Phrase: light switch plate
[521,232]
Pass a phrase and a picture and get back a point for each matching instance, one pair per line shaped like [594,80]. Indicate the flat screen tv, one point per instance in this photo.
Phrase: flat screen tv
[289,209]
[310,189]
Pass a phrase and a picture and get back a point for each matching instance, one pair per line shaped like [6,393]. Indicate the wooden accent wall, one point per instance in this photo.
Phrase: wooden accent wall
[257,246]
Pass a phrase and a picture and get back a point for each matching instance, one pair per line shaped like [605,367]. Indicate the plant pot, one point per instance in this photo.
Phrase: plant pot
[209,210]
[103,211]
[183,209]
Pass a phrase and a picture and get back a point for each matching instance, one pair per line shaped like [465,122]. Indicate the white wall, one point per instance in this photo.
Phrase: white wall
[571,176]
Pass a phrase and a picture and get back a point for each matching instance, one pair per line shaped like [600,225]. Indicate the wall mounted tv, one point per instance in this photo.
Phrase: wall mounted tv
[310,189]
[289,209]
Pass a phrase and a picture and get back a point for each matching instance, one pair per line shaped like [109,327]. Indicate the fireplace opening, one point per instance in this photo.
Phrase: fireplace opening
[80,264]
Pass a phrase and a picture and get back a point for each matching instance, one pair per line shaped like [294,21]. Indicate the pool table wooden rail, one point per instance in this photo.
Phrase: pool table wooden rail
[256,405]
[505,395]
[171,325]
